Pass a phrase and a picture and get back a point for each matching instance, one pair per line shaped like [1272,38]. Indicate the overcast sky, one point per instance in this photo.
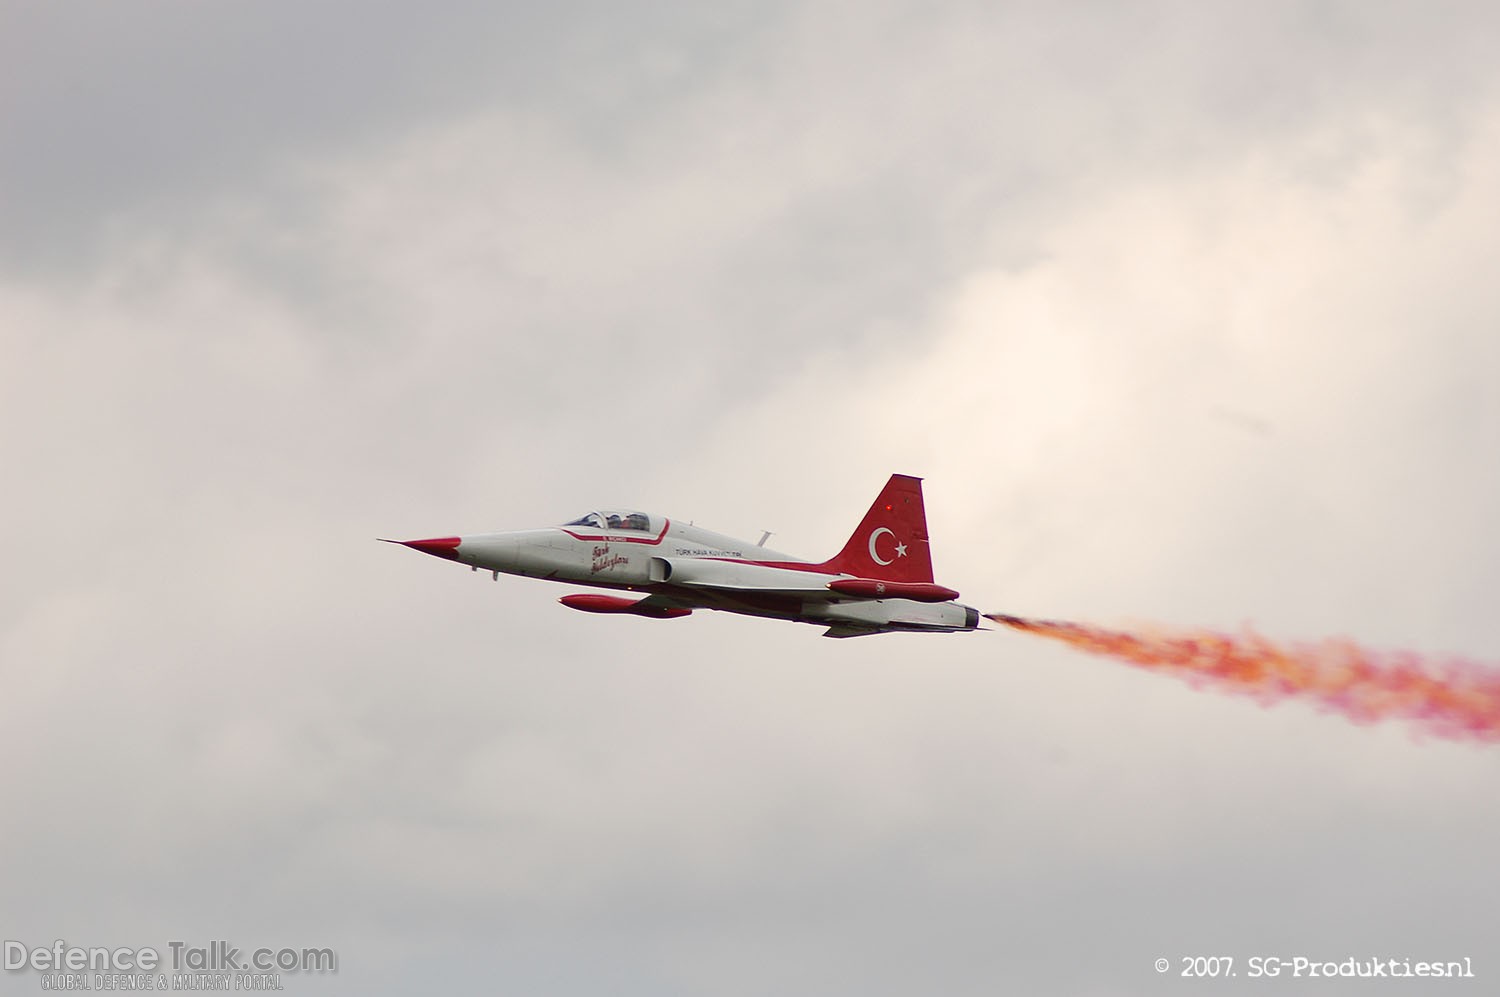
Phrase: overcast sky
[1186,312]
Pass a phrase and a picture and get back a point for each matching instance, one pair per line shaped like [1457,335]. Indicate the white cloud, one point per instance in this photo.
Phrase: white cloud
[1164,343]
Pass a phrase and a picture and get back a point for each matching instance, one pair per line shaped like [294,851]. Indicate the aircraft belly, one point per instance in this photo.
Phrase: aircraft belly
[870,614]
[895,614]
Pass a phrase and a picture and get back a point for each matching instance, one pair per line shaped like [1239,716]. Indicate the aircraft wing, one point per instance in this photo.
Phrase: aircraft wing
[788,579]
[665,602]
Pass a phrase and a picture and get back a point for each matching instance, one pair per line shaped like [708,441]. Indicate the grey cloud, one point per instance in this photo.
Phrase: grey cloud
[474,269]
[123,117]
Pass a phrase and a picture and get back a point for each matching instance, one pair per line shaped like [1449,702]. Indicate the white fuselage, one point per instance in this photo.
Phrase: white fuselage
[699,568]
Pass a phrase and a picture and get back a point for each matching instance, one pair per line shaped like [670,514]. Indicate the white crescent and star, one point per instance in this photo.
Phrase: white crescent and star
[875,535]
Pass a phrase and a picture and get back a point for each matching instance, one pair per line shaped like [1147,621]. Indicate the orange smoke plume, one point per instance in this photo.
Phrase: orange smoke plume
[1453,699]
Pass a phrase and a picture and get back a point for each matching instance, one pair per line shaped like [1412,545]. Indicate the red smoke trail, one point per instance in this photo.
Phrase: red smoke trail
[1454,699]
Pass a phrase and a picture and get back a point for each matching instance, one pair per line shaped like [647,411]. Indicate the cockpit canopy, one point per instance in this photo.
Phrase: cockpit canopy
[637,522]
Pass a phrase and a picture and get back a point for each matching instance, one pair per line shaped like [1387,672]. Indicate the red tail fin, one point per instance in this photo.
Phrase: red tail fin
[891,541]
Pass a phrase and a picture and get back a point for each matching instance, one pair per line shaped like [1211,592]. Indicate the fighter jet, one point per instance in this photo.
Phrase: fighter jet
[880,582]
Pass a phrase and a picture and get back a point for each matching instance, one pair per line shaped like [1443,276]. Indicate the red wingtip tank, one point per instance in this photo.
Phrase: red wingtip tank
[592,602]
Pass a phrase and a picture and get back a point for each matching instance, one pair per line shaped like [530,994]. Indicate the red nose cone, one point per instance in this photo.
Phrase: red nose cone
[440,547]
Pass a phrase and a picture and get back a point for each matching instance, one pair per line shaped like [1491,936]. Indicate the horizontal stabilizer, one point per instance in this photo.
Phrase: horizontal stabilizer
[843,631]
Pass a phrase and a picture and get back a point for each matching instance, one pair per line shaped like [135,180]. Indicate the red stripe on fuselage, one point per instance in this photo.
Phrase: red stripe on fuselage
[819,569]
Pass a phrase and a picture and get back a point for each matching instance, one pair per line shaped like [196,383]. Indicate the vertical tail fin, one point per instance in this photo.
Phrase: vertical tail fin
[891,541]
